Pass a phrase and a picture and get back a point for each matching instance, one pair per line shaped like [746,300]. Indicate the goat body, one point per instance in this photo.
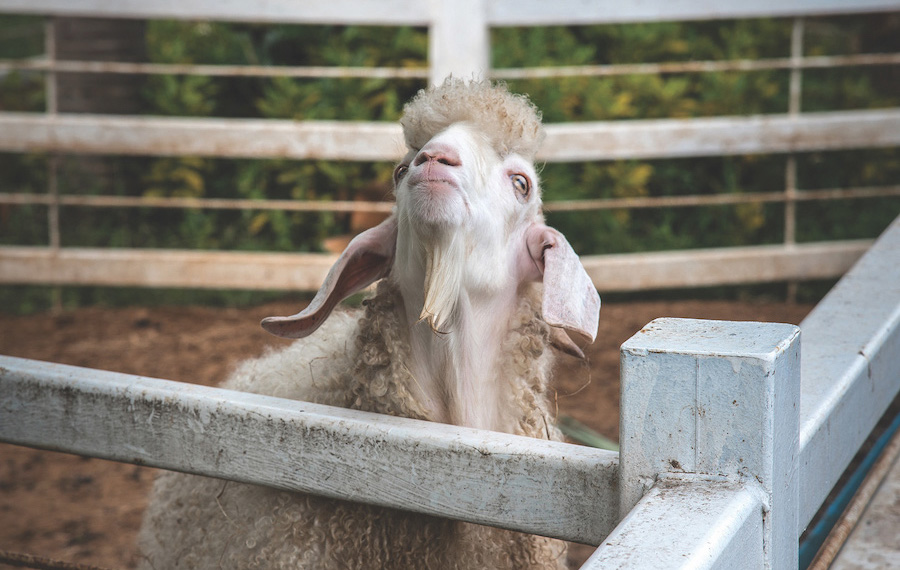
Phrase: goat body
[473,287]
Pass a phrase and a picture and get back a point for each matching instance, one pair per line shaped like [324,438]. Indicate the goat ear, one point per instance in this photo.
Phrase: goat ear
[367,259]
[570,300]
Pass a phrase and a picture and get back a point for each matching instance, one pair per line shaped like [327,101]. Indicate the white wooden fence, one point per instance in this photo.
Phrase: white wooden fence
[459,43]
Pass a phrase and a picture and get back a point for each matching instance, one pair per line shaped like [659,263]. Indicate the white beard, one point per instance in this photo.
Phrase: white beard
[444,263]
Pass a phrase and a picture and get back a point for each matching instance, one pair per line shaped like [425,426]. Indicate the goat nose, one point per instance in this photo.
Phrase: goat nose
[442,155]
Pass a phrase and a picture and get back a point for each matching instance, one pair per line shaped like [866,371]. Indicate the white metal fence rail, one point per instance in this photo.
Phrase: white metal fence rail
[459,43]
[547,487]
[728,445]
[729,448]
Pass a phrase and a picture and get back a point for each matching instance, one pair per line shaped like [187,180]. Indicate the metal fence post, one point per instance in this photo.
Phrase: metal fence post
[715,398]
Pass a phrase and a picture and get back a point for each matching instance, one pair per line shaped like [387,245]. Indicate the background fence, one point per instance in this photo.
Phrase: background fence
[459,39]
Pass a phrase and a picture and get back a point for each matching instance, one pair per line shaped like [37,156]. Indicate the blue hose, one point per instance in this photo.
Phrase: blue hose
[814,540]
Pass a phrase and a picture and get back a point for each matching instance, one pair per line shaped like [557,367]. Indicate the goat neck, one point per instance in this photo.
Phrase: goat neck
[458,219]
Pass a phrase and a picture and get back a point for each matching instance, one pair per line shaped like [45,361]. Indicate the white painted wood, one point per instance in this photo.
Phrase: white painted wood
[106,201]
[537,486]
[607,70]
[459,40]
[681,201]
[306,271]
[372,141]
[722,266]
[412,12]
[851,367]
[164,268]
[232,138]
[715,398]
[670,138]
[586,12]
[302,71]
[383,12]
[687,522]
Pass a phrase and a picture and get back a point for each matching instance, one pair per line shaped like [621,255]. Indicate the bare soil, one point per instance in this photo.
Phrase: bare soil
[88,511]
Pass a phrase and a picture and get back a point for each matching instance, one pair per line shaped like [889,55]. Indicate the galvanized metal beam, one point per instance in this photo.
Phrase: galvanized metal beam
[715,398]
[851,368]
[687,522]
[514,482]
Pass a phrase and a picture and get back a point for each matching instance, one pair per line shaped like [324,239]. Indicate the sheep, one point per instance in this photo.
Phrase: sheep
[472,287]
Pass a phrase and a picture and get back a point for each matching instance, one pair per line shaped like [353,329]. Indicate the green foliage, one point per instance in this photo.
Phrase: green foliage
[23,225]
[21,37]
[649,96]
[621,97]
[275,98]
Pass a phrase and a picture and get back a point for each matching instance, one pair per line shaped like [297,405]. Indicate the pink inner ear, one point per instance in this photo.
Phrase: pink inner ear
[570,300]
[367,259]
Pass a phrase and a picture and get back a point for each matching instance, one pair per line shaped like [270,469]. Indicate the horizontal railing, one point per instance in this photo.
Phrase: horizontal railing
[851,367]
[514,482]
[305,271]
[417,13]
[373,141]
[449,48]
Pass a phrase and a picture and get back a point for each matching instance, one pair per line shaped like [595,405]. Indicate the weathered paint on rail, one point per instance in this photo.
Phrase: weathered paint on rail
[537,486]
[306,271]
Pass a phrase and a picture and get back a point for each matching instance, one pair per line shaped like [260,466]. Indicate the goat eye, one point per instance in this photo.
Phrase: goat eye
[400,172]
[522,184]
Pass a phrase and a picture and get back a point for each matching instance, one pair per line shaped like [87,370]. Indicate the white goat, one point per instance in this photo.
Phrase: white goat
[456,333]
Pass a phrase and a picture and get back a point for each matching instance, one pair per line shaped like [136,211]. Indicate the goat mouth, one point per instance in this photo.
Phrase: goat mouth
[436,184]
[437,201]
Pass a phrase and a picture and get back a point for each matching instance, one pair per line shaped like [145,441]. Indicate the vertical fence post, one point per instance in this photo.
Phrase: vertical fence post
[459,40]
[51,94]
[790,189]
[715,398]
[52,108]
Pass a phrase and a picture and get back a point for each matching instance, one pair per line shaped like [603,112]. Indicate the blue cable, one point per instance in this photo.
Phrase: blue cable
[814,540]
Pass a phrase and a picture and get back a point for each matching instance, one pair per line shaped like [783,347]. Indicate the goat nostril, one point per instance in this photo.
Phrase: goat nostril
[441,156]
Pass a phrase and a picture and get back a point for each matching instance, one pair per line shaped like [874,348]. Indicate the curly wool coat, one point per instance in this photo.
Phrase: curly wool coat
[354,364]
[527,280]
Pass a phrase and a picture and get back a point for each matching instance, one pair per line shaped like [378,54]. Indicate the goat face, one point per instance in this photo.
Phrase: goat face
[463,209]
[467,226]
[457,181]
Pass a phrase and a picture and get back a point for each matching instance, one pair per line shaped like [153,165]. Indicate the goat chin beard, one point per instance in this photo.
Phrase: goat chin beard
[444,260]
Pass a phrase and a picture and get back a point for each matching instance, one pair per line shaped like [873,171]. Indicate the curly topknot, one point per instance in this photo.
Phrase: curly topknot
[511,121]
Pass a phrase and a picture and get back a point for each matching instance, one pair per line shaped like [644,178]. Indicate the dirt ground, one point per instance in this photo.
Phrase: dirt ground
[88,511]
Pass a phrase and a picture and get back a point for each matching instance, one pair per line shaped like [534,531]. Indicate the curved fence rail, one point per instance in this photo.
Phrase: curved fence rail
[459,45]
